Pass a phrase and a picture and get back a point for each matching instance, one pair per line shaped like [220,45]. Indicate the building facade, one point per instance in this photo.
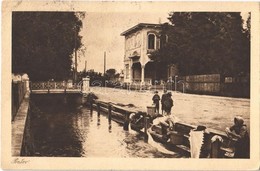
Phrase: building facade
[143,39]
[140,41]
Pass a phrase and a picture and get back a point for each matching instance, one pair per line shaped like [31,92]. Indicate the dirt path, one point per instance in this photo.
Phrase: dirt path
[210,111]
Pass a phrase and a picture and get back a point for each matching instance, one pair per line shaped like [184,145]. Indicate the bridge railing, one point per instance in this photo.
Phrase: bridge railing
[54,85]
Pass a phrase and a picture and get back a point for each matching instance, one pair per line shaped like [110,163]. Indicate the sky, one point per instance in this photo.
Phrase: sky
[101,33]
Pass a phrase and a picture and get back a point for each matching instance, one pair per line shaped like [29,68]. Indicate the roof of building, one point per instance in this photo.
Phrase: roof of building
[140,26]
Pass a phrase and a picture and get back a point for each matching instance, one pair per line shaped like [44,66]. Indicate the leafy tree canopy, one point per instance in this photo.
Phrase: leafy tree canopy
[111,74]
[43,43]
[206,43]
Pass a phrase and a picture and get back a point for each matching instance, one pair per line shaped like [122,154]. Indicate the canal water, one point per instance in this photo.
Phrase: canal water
[62,129]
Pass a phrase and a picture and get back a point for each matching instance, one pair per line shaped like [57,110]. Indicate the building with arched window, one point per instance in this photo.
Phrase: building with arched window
[140,41]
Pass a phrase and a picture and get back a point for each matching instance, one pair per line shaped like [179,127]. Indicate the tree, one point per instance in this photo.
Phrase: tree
[43,43]
[248,25]
[205,43]
[110,73]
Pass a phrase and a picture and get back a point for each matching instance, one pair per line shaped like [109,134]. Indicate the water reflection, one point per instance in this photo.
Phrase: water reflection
[109,127]
[98,120]
[62,130]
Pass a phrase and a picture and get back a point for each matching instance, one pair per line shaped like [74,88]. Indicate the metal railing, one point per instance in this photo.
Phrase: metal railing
[54,85]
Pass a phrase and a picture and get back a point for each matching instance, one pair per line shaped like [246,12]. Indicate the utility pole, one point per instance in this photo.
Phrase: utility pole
[104,63]
[86,65]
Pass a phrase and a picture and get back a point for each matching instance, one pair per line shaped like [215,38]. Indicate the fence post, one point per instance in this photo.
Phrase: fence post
[145,123]
[109,113]
[91,107]
[98,109]
[98,112]
[126,122]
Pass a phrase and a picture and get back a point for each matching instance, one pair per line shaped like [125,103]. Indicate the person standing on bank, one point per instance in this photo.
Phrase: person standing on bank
[168,103]
[156,100]
[164,97]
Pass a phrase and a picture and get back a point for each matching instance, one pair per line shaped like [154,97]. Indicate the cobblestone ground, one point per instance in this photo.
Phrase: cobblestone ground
[211,111]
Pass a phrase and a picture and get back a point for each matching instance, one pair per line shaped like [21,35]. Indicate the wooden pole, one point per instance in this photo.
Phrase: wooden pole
[126,122]
[91,107]
[98,118]
[86,65]
[109,117]
[109,113]
[98,109]
[145,124]
[76,60]
[104,63]
[146,119]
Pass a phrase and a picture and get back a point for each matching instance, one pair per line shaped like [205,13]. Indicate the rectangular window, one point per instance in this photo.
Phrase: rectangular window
[151,41]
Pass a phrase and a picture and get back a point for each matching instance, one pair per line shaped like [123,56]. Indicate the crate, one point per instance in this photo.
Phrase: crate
[151,111]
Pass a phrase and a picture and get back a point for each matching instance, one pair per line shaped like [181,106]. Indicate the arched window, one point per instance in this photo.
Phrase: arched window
[151,41]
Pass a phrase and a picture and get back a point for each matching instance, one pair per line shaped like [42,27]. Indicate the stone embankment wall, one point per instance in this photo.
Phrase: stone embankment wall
[21,137]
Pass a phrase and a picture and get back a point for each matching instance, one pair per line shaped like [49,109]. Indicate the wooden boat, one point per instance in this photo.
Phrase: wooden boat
[178,137]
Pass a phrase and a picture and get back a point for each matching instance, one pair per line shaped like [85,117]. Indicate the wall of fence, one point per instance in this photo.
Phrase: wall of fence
[18,93]
[215,84]
[212,84]
[208,84]
[236,89]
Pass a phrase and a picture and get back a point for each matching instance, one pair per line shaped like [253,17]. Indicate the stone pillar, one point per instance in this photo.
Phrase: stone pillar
[85,87]
[27,84]
[142,74]
[25,78]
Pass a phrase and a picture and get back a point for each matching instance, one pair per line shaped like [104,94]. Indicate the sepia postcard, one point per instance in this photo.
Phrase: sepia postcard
[131,85]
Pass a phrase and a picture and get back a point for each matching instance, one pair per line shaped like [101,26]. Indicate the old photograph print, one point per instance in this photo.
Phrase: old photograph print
[167,85]
[131,88]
